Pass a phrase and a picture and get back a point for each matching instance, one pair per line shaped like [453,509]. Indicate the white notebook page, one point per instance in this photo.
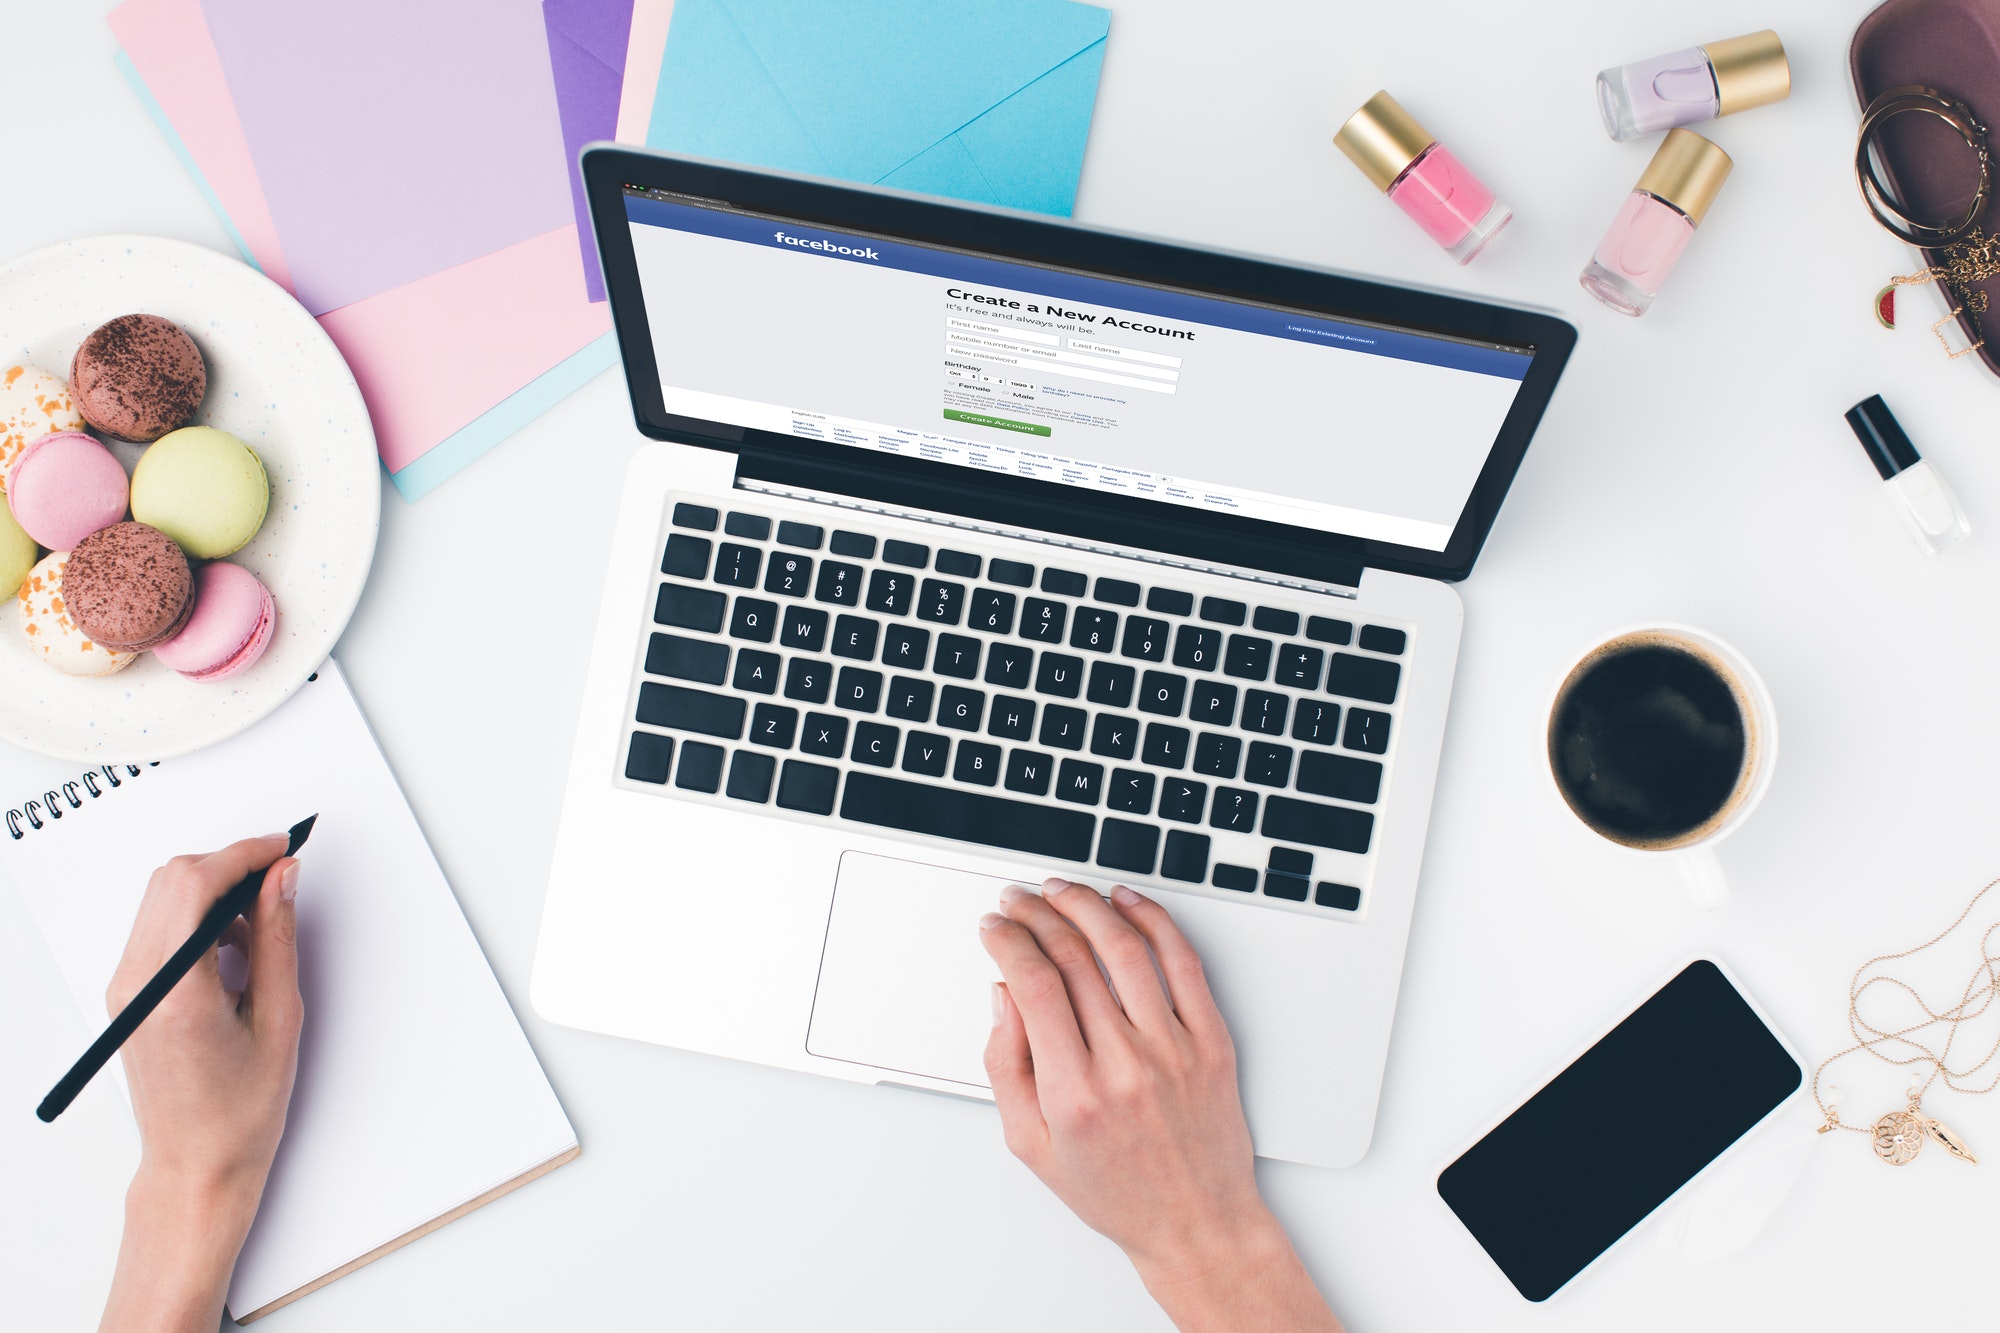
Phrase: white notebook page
[417,1091]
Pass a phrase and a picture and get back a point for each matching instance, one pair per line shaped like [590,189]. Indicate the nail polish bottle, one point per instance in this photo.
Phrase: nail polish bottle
[1694,85]
[1425,178]
[1657,222]
[1929,511]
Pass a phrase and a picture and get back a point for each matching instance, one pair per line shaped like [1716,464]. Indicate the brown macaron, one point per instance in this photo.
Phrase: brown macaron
[128,587]
[137,377]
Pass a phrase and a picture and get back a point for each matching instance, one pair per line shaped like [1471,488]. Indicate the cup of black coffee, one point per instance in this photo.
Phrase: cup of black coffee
[1661,740]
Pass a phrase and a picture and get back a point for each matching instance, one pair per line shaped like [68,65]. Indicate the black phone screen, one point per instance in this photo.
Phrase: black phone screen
[1610,1138]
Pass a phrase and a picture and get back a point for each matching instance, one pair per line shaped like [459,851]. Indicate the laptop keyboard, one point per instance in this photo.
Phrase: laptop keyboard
[1065,711]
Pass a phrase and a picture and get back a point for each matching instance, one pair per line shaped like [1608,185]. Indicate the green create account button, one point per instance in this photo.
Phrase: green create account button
[998,423]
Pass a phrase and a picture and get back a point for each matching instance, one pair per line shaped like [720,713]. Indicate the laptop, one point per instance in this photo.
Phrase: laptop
[975,548]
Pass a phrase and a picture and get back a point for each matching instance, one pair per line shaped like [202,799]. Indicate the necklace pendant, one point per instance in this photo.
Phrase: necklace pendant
[1952,1143]
[1899,1136]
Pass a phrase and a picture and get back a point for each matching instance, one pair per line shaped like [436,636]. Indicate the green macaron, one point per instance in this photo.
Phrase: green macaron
[18,553]
[204,488]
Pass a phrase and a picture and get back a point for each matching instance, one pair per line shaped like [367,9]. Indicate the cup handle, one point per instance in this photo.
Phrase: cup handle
[1702,874]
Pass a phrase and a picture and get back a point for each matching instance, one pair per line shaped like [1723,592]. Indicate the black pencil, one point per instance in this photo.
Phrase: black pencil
[213,924]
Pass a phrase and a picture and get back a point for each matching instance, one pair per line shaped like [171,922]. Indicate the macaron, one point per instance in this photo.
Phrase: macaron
[234,616]
[18,553]
[64,487]
[137,377]
[33,403]
[204,488]
[50,632]
[128,587]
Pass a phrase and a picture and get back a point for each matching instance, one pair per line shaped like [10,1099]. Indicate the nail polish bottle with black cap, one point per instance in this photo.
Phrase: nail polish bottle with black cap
[1929,511]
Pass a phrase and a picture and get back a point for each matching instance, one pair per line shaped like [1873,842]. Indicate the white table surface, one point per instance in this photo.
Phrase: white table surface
[1693,467]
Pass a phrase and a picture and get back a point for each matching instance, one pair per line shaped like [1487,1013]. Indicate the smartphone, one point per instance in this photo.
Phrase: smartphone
[1616,1134]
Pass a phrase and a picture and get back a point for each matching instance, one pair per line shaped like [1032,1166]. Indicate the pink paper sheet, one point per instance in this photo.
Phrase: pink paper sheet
[429,356]
[644,50]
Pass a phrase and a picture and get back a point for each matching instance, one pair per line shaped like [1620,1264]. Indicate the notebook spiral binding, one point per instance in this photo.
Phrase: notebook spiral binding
[56,801]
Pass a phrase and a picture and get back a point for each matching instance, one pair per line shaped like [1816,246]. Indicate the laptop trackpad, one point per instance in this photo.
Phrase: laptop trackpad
[904,985]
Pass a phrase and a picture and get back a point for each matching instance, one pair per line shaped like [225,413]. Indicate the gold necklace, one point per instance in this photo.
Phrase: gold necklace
[1900,1135]
[1967,263]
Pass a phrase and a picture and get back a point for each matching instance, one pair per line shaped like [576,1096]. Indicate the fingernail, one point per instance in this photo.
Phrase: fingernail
[990,920]
[1054,884]
[288,883]
[1124,897]
[277,837]
[1012,894]
[999,1005]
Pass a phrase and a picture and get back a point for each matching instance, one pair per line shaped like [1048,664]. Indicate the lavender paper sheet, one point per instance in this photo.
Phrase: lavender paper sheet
[587,40]
[394,138]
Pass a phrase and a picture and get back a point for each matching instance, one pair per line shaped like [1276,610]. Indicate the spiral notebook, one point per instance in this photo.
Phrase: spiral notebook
[418,1098]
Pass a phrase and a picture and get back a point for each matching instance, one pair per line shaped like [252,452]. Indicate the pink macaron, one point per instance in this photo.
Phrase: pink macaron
[65,486]
[234,616]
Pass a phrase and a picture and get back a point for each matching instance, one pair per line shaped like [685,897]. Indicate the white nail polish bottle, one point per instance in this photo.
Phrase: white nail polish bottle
[1929,512]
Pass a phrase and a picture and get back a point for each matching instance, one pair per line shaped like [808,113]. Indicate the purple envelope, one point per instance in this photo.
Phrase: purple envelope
[587,54]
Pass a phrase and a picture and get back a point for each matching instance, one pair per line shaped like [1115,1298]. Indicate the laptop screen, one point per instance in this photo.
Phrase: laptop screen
[1066,377]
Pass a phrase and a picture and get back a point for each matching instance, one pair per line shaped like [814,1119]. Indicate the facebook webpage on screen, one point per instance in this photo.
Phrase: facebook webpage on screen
[1067,378]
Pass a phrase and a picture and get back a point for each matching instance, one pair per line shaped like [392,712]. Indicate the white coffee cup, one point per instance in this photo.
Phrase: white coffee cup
[1692,851]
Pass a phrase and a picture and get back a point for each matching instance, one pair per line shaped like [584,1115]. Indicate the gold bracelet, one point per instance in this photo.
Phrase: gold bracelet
[1929,101]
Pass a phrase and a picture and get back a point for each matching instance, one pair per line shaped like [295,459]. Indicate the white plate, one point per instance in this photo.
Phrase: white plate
[276,381]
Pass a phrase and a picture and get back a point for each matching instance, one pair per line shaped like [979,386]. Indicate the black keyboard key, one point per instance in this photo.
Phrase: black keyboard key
[1299,666]
[1341,897]
[854,638]
[737,566]
[694,516]
[1064,583]
[1234,809]
[754,619]
[805,536]
[1013,573]
[1367,731]
[774,726]
[1162,692]
[803,630]
[1079,782]
[1368,678]
[1264,712]
[750,776]
[1030,771]
[1287,819]
[1060,674]
[957,657]
[1217,756]
[977,762]
[1292,888]
[958,564]
[1382,639]
[890,592]
[906,647]
[910,699]
[1063,727]
[1317,721]
[1113,736]
[689,608]
[1212,703]
[941,602]
[969,816]
[789,575]
[1010,665]
[860,690]
[702,660]
[1222,611]
[824,735]
[875,743]
[808,679]
[1196,648]
[1123,845]
[1329,631]
[960,708]
[756,671]
[839,583]
[1111,684]
[1340,776]
[859,545]
[1094,629]
[1170,602]
[910,555]
[992,611]
[649,756]
[754,526]
[1291,861]
[1240,878]
[701,767]
[1118,592]
[1043,620]
[1166,747]
[1183,801]
[1270,620]
[1011,718]
[1268,765]
[678,708]
[1248,657]
[1145,639]
[686,557]
[1131,791]
[1185,857]
[925,752]
[808,787]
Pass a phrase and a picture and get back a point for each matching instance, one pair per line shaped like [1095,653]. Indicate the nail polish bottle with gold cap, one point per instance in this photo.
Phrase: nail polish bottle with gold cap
[1423,177]
[1700,83]
[1657,222]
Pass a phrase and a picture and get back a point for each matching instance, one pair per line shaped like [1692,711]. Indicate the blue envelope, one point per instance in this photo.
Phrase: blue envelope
[988,102]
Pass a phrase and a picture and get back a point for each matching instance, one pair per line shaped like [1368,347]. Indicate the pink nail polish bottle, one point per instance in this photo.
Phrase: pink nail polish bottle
[1657,222]
[1425,178]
